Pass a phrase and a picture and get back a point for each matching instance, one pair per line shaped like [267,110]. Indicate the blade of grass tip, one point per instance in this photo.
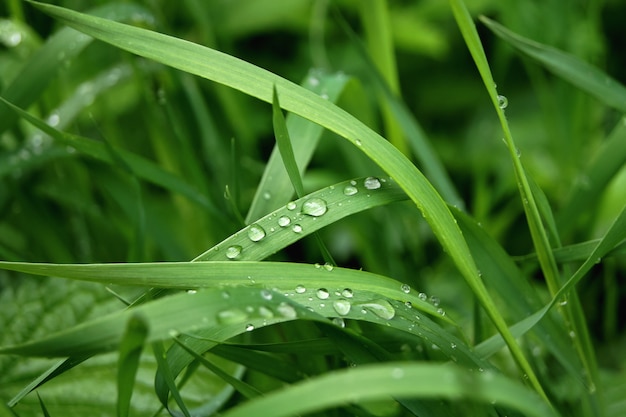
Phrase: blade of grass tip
[580,73]
[379,39]
[283,141]
[44,410]
[130,349]
[538,233]
[240,386]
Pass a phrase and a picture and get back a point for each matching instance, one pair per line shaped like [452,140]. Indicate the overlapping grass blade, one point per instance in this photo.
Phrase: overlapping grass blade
[399,379]
[580,73]
[130,353]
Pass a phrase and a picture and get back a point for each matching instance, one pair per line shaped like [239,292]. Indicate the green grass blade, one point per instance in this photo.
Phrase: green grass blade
[44,409]
[581,74]
[130,353]
[165,370]
[284,145]
[400,379]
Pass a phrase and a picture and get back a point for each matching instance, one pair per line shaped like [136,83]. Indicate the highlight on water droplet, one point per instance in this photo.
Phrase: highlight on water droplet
[300,289]
[405,288]
[297,228]
[256,232]
[502,102]
[342,307]
[322,293]
[232,252]
[314,207]
[350,190]
[291,205]
[381,308]
[283,221]
[371,183]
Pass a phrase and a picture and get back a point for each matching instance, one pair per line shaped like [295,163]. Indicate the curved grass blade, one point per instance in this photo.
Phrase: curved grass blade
[43,66]
[256,82]
[580,73]
[404,380]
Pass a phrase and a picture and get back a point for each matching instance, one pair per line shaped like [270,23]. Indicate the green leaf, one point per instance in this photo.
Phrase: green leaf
[129,358]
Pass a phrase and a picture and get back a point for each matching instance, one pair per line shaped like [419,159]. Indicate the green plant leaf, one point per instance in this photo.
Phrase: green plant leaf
[129,358]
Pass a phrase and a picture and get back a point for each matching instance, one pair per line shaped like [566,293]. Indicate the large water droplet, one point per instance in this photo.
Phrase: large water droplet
[297,228]
[300,289]
[231,316]
[382,308]
[342,307]
[256,232]
[503,102]
[322,293]
[314,207]
[283,221]
[350,190]
[371,183]
[232,252]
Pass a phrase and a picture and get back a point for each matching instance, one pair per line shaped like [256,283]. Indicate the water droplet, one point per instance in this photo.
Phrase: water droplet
[267,295]
[358,142]
[231,316]
[53,119]
[339,321]
[441,311]
[287,311]
[256,232]
[405,288]
[502,102]
[382,308]
[350,190]
[291,205]
[232,252]
[249,327]
[265,312]
[408,304]
[314,207]
[283,221]
[434,300]
[192,292]
[342,307]
[267,195]
[300,289]
[322,293]
[317,266]
[453,345]
[297,228]
[347,292]
[422,296]
[328,267]
[371,183]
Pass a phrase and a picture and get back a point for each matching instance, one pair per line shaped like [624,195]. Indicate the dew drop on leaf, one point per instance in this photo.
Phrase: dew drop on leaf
[283,221]
[381,308]
[371,183]
[232,252]
[314,207]
[300,289]
[405,288]
[256,232]
[297,228]
[350,190]
[322,293]
[347,292]
[249,327]
[291,205]
[503,102]
[342,307]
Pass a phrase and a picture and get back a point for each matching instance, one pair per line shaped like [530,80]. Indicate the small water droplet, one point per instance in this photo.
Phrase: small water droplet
[322,293]
[434,300]
[381,308]
[256,232]
[405,288]
[422,296]
[453,345]
[347,292]
[192,292]
[291,205]
[358,142]
[249,327]
[317,266]
[314,207]
[342,306]
[267,295]
[231,316]
[53,119]
[350,190]
[287,311]
[339,321]
[408,304]
[502,102]
[441,311]
[328,267]
[371,183]
[283,221]
[267,195]
[232,252]
[297,228]
[300,289]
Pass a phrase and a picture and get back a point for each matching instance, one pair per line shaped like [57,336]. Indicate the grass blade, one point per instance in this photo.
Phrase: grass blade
[130,353]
